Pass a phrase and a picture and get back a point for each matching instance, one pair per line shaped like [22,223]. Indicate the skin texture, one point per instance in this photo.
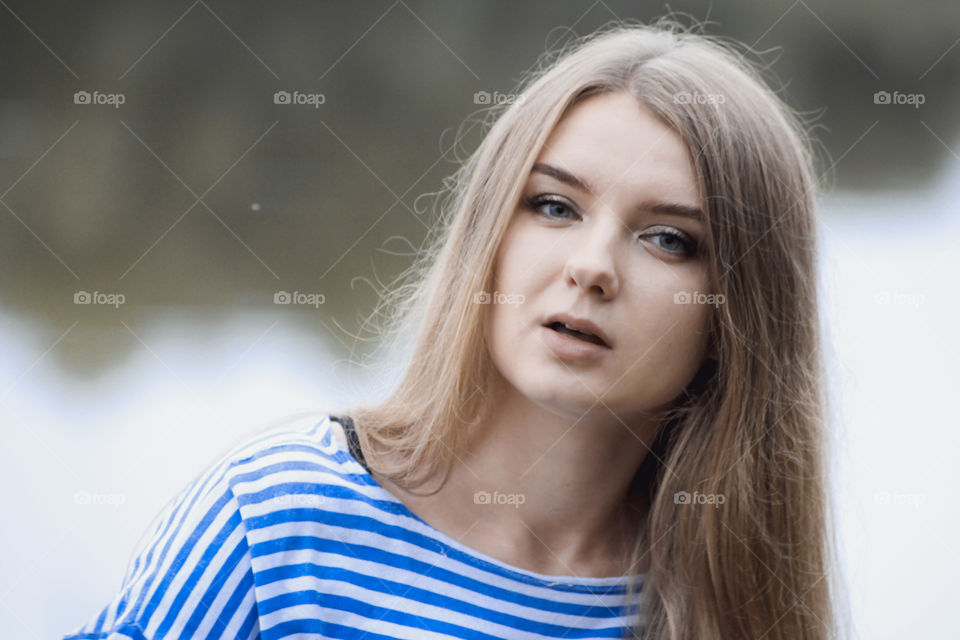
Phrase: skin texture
[568,435]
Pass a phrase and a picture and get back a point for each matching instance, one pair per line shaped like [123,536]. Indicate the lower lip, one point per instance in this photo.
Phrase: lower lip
[570,348]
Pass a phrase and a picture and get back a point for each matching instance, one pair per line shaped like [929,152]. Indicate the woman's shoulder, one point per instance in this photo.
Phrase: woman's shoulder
[276,483]
[315,443]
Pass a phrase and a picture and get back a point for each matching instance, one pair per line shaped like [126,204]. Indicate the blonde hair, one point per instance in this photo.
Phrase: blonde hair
[751,427]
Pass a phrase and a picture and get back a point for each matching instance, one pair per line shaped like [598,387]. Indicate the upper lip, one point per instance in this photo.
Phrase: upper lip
[580,324]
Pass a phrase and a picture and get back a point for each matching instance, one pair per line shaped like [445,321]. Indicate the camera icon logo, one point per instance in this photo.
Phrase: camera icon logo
[281,297]
[881,97]
[281,97]
[481,497]
[481,97]
[681,297]
[81,97]
[81,297]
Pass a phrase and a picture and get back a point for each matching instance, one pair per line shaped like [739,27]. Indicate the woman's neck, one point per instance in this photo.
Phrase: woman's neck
[537,489]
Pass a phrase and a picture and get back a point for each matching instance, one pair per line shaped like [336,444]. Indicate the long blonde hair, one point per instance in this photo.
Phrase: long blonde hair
[750,428]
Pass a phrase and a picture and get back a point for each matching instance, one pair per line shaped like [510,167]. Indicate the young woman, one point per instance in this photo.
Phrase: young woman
[611,417]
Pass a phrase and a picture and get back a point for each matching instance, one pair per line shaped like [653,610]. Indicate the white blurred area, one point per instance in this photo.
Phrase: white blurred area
[890,269]
[87,466]
[137,436]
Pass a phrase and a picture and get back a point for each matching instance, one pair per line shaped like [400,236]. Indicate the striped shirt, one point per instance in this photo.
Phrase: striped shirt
[290,536]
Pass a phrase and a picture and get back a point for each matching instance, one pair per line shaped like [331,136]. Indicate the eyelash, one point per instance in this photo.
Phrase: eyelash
[690,246]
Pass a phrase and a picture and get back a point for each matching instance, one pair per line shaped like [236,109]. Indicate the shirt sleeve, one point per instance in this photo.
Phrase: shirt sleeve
[192,578]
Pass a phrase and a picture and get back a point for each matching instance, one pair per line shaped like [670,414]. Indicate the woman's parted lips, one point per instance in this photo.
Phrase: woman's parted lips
[582,325]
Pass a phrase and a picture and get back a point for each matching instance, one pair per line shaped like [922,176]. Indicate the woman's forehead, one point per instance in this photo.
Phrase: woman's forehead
[611,143]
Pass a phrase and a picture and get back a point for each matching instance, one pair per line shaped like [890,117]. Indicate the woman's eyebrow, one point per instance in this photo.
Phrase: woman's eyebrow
[668,208]
[563,176]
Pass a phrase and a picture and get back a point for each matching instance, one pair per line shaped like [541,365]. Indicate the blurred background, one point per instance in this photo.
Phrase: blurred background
[200,201]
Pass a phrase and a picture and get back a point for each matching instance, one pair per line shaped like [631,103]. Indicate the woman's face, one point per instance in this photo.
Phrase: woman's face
[600,239]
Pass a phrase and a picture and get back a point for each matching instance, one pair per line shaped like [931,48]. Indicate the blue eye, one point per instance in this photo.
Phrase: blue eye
[670,240]
[554,210]
[675,242]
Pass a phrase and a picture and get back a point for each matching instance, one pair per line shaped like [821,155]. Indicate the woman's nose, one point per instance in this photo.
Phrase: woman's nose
[591,266]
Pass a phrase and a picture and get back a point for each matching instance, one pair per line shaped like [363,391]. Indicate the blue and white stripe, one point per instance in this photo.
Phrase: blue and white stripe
[289,535]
